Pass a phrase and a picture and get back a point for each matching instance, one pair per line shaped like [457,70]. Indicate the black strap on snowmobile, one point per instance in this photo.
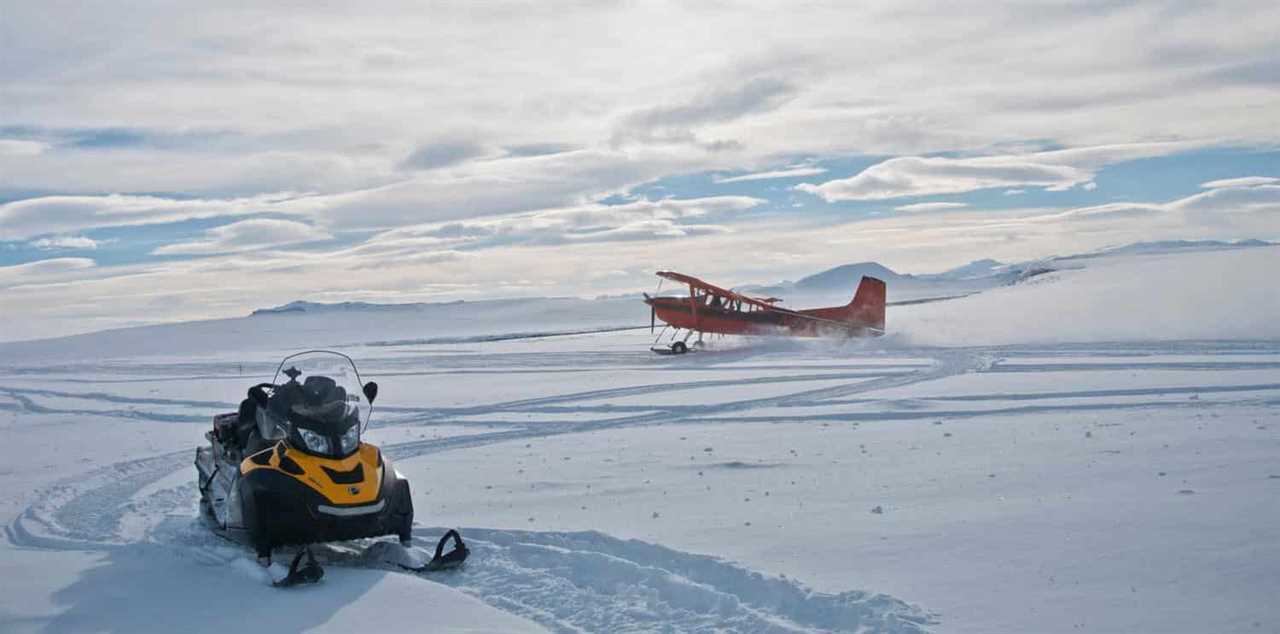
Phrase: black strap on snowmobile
[451,559]
[299,572]
[204,488]
[259,393]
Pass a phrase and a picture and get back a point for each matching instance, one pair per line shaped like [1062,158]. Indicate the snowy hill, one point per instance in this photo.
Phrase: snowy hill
[835,285]
[1185,294]
[1172,246]
[985,267]
[308,324]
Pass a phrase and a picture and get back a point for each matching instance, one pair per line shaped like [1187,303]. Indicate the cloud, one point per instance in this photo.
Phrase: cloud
[791,172]
[639,220]
[930,207]
[61,214]
[1264,71]
[42,269]
[721,104]
[246,235]
[110,138]
[503,185]
[1237,200]
[920,176]
[325,99]
[537,149]
[19,147]
[123,138]
[676,123]
[1094,157]
[436,155]
[1215,207]
[409,258]
[1110,211]
[497,186]
[65,242]
[1245,181]
[917,176]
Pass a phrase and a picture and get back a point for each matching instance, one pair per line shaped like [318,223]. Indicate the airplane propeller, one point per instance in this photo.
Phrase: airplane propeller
[653,318]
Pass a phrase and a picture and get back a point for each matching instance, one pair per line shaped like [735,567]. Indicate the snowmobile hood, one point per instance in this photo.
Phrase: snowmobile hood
[353,480]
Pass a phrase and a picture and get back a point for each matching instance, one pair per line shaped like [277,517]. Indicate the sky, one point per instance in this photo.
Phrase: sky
[162,162]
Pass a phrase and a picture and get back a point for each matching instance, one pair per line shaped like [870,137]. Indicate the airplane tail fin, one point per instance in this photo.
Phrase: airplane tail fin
[867,307]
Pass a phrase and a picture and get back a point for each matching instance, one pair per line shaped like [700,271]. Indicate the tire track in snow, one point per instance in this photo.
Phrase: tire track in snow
[1085,366]
[1037,396]
[114,398]
[567,582]
[947,364]
[591,582]
[996,411]
[634,390]
[88,510]
[85,511]
[24,403]
[993,396]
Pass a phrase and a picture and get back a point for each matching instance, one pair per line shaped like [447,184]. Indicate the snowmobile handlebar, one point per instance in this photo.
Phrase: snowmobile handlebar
[259,392]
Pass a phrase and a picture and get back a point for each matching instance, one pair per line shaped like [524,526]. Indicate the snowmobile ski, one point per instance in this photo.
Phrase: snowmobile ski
[301,572]
[451,559]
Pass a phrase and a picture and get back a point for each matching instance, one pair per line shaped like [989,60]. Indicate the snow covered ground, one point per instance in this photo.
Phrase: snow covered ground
[1095,449]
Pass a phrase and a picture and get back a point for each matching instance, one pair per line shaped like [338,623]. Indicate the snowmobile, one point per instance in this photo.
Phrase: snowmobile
[289,468]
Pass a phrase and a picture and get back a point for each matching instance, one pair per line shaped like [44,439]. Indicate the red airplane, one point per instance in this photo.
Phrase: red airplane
[711,309]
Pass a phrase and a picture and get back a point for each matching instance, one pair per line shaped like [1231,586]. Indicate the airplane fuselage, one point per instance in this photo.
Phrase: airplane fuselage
[684,313]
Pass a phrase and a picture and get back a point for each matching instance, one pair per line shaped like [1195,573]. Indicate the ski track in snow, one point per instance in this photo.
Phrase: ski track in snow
[571,582]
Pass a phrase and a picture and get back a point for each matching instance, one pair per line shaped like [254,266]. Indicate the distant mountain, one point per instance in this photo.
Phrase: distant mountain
[318,307]
[839,283]
[846,277]
[977,268]
[302,306]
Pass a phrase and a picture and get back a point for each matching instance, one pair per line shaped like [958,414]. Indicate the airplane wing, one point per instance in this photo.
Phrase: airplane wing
[762,302]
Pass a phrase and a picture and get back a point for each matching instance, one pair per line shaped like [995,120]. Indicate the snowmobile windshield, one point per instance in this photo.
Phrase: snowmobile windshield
[321,396]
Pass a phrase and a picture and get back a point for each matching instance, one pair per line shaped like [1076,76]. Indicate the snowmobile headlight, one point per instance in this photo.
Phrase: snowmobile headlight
[315,442]
[350,439]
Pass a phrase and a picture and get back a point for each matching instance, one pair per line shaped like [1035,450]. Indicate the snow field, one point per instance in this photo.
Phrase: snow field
[988,467]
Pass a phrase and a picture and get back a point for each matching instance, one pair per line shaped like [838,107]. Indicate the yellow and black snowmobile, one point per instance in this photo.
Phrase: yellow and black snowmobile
[290,469]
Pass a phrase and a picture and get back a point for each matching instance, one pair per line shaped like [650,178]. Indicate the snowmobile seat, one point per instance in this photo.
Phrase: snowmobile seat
[254,430]
[246,424]
[263,432]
